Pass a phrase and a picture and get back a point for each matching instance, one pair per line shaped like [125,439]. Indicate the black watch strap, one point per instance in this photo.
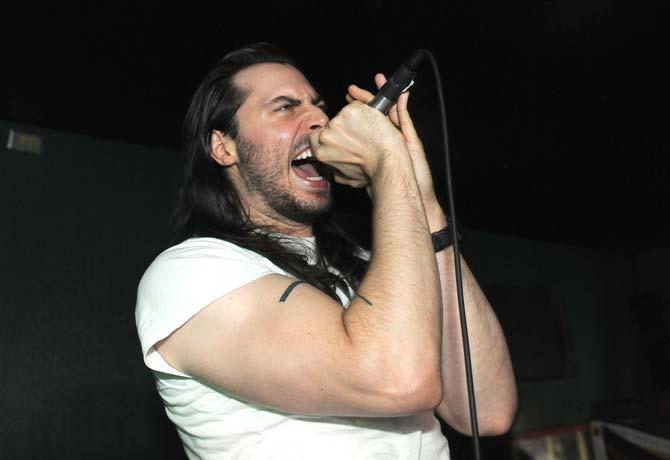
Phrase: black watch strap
[442,239]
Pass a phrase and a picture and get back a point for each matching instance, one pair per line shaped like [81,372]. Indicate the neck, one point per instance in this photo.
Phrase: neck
[279,224]
[264,216]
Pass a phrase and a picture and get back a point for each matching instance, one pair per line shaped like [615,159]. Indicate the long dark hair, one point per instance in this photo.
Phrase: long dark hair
[208,204]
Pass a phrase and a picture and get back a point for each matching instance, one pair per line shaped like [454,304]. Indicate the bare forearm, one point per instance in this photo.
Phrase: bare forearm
[393,326]
[495,388]
[401,327]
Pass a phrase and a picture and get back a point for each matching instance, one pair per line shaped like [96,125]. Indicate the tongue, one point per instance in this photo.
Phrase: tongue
[306,170]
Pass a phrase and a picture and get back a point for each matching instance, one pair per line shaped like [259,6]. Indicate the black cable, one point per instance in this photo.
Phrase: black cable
[453,226]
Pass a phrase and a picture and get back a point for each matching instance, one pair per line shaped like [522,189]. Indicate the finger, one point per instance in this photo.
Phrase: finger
[359,94]
[343,180]
[406,123]
[380,79]
[393,115]
[402,101]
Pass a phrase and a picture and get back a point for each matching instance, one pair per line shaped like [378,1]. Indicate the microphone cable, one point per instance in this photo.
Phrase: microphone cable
[386,97]
[453,227]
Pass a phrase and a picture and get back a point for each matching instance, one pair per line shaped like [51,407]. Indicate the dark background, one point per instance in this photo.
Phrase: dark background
[556,111]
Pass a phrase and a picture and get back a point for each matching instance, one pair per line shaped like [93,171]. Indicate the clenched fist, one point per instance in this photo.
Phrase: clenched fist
[355,142]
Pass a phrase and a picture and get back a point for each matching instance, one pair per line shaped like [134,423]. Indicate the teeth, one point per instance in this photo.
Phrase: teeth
[315,178]
[304,155]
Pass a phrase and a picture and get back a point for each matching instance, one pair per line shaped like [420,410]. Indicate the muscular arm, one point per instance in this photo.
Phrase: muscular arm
[309,355]
[495,387]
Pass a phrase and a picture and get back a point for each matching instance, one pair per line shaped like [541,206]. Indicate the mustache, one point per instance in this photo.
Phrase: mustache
[300,145]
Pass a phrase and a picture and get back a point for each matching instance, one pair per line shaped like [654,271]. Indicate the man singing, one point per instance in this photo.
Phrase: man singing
[270,333]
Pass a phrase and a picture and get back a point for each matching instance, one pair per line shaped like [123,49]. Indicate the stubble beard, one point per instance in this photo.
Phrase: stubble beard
[263,177]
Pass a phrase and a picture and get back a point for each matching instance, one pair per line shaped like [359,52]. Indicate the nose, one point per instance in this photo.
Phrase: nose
[317,118]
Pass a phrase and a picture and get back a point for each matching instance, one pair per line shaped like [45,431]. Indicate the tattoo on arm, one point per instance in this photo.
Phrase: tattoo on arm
[288,291]
[358,294]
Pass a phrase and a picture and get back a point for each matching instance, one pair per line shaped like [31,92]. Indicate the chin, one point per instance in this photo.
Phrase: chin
[308,211]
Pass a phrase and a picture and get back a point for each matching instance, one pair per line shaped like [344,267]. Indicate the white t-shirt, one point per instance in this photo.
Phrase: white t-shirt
[214,425]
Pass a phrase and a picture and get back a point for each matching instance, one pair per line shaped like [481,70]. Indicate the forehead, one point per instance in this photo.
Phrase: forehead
[263,82]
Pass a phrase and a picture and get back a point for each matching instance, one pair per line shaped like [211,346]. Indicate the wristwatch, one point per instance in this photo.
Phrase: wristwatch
[442,239]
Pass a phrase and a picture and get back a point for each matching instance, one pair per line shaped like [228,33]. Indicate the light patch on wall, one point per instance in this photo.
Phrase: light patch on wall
[25,142]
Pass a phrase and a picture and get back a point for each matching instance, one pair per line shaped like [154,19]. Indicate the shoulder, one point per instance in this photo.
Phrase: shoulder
[187,277]
[196,272]
[203,249]
[203,257]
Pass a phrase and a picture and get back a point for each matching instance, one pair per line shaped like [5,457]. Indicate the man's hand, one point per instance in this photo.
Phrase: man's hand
[355,142]
[399,116]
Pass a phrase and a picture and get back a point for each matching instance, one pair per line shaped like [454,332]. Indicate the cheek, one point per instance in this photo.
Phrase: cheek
[280,146]
[274,147]
[272,161]
[283,139]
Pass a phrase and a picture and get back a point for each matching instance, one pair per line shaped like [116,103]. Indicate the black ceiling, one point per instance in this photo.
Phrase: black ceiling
[557,109]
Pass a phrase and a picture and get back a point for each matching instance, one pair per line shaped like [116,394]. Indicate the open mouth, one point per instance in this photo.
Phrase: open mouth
[306,167]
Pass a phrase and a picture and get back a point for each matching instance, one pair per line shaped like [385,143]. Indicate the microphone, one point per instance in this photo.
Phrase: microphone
[399,82]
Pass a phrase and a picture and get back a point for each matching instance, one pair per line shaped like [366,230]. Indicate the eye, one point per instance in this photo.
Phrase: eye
[285,107]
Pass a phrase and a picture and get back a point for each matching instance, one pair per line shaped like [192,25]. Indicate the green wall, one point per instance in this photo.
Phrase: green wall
[593,289]
[82,221]
[652,271]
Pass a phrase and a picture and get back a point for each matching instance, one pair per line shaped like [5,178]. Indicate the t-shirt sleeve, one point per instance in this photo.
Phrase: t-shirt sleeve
[185,279]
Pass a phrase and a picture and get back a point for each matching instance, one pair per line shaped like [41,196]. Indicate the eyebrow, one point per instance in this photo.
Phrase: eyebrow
[316,100]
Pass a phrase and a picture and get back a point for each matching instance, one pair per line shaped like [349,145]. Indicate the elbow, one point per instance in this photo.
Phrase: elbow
[502,421]
[400,384]
[423,394]
[493,426]
[415,393]
[499,425]
[495,422]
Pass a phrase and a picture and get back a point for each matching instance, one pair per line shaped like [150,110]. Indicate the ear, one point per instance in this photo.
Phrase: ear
[223,148]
